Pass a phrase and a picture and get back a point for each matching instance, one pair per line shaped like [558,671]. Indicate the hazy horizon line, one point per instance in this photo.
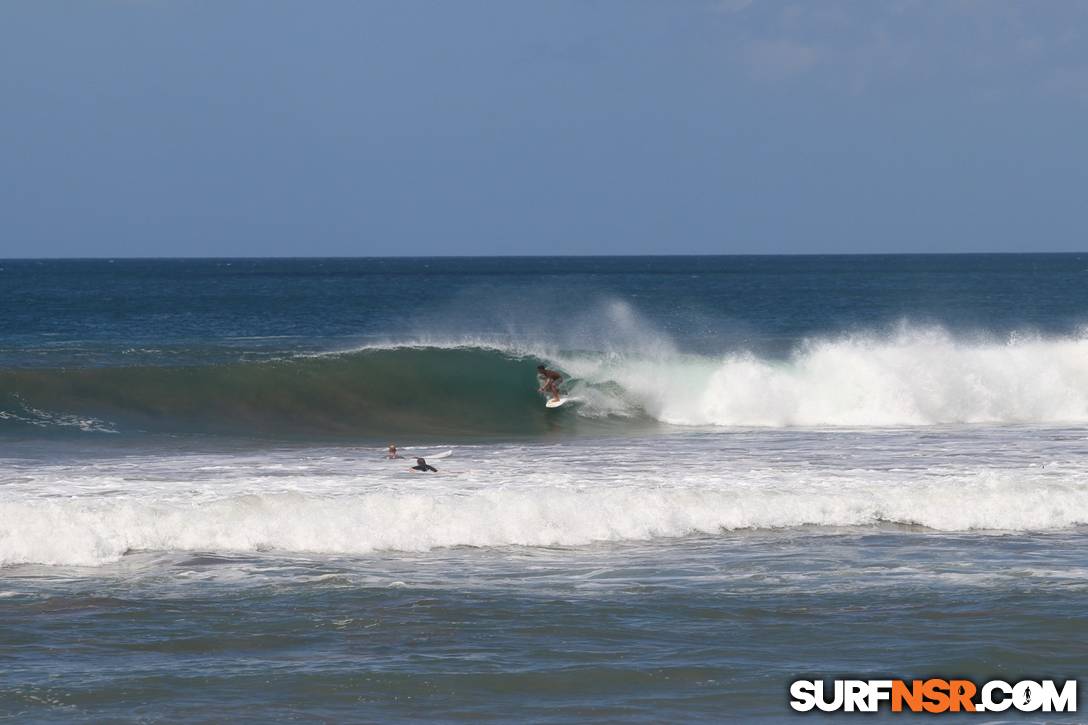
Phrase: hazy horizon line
[535,256]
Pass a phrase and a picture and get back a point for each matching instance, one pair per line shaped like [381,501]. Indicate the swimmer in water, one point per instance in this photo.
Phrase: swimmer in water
[422,466]
[392,451]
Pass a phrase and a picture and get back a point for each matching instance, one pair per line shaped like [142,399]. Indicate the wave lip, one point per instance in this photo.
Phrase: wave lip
[93,532]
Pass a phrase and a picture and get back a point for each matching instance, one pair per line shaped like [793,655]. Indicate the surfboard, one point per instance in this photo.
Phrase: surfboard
[555,403]
[410,454]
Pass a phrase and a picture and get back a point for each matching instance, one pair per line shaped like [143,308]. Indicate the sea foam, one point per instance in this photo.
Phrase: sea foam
[86,531]
[910,377]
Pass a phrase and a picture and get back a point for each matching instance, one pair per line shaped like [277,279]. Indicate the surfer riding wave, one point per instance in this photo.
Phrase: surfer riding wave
[550,380]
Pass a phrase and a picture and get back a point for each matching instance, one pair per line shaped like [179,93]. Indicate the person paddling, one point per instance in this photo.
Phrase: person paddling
[422,466]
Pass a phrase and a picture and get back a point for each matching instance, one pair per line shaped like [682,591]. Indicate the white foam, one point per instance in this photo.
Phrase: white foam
[86,531]
[912,377]
[45,419]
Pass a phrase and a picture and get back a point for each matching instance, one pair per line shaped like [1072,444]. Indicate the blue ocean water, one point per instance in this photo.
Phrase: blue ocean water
[773,467]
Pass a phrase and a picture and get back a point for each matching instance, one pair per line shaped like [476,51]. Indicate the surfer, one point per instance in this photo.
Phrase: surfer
[422,466]
[550,381]
[392,451]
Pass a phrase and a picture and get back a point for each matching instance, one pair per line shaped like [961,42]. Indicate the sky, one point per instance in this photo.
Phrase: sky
[402,127]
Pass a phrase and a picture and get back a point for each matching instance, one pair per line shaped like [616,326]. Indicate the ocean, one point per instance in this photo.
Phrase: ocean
[773,468]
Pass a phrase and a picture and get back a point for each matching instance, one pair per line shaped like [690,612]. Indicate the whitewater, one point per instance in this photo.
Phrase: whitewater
[336,501]
[910,376]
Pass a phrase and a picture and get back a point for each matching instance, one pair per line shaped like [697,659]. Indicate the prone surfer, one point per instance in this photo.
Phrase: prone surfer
[549,381]
[422,466]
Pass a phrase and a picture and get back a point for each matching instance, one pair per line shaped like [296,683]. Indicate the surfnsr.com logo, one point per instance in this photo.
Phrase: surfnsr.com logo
[933,695]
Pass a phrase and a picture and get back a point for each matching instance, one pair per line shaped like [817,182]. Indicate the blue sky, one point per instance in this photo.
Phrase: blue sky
[267,128]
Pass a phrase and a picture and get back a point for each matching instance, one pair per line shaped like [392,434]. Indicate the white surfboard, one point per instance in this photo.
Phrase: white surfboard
[409,454]
[555,403]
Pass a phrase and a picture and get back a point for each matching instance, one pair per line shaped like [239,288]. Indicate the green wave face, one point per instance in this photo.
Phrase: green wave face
[372,393]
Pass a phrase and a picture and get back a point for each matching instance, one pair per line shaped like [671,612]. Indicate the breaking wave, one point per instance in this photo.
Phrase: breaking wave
[81,531]
[910,377]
